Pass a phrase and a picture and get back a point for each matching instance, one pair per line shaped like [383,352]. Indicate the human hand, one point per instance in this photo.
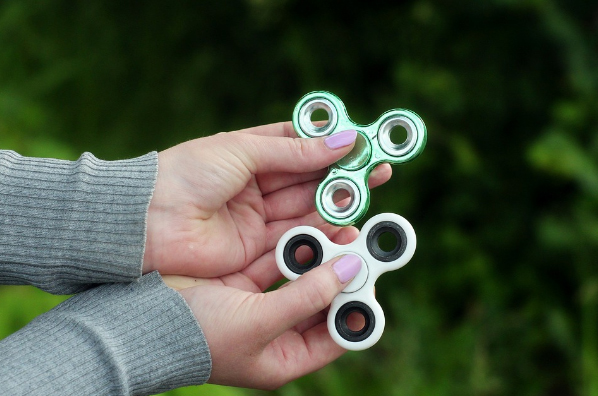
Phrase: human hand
[264,340]
[223,201]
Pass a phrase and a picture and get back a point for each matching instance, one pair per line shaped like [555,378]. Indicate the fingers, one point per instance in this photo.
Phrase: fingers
[262,154]
[294,201]
[284,129]
[380,175]
[270,182]
[273,182]
[320,350]
[312,321]
[298,200]
[298,354]
[309,294]
[275,229]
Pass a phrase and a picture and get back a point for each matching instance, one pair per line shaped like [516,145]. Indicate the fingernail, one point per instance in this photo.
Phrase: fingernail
[347,267]
[341,139]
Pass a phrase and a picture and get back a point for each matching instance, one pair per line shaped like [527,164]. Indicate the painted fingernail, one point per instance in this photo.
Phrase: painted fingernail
[347,267]
[341,139]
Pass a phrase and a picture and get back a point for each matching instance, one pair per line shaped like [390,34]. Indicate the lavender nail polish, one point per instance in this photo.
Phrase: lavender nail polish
[341,139]
[347,267]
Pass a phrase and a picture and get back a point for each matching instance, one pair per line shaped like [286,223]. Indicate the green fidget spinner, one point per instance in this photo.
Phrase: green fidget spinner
[373,146]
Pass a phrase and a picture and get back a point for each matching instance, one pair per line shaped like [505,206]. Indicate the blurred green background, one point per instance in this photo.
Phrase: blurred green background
[501,297]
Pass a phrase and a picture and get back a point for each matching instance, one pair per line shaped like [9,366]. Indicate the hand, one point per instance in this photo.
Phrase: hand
[223,201]
[264,340]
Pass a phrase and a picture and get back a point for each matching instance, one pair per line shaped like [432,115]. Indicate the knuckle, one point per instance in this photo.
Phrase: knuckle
[302,147]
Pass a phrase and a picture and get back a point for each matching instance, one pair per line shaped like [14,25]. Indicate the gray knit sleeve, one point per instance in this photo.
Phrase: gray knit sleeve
[116,339]
[67,225]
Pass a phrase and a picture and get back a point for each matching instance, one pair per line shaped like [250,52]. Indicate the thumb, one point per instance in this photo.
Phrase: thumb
[295,155]
[310,293]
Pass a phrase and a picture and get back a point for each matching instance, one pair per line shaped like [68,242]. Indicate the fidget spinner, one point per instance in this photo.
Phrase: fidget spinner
[358,296]
[373,146]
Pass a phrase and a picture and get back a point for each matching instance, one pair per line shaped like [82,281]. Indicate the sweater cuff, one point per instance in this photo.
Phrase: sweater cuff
[67,225]
[139,338]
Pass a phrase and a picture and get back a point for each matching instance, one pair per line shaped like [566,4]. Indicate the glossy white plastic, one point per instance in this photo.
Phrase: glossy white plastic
[358,296]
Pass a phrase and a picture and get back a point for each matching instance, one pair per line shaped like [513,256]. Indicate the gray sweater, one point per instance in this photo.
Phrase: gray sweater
[79,227]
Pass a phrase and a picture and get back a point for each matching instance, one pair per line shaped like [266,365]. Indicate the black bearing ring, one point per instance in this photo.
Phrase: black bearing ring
[374,247]
[342,316]
[291,248]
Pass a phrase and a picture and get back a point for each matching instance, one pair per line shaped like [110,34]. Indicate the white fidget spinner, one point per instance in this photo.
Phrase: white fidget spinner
[358,296]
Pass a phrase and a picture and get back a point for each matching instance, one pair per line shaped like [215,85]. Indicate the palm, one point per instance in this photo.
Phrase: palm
[234,236]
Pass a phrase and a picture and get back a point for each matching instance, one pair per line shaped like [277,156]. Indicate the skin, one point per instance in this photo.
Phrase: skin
[220,205]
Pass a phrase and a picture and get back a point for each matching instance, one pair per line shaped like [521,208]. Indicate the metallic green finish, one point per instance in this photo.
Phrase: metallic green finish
[359,156]
[373,147]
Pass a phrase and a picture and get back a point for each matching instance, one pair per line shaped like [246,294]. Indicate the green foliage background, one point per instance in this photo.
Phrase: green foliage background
[501,297]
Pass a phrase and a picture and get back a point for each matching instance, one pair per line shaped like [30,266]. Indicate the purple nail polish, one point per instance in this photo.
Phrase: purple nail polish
[347,267]
[341,139]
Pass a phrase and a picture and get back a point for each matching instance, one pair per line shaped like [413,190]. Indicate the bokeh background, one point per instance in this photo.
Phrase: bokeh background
[501,297]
